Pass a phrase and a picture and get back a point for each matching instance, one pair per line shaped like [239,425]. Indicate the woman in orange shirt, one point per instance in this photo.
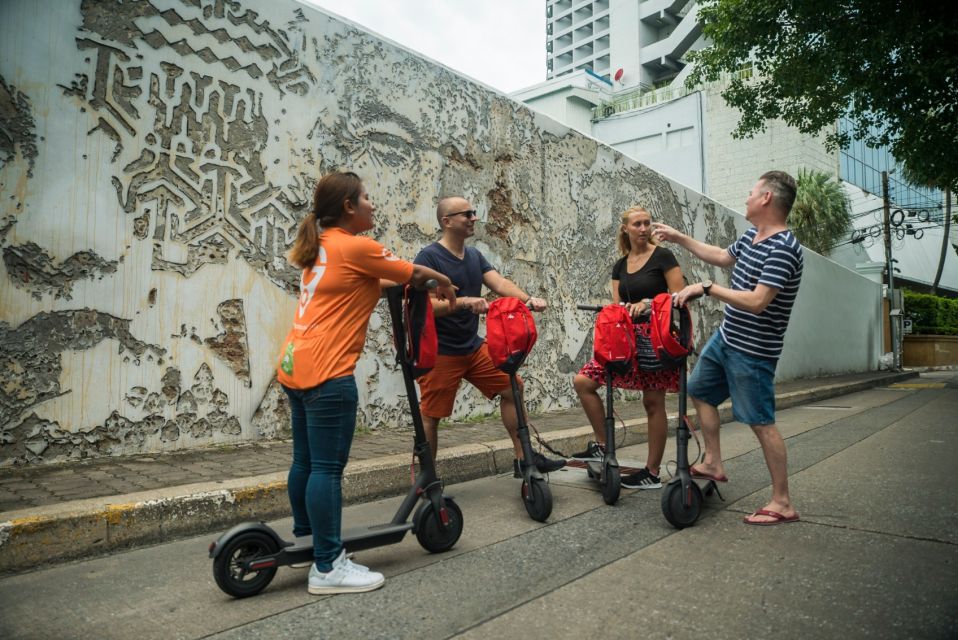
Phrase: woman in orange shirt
[339,288]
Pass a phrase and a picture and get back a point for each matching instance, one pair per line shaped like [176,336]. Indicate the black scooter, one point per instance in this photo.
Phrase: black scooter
[536,494]
[246,557]
[606,471]
[682,497]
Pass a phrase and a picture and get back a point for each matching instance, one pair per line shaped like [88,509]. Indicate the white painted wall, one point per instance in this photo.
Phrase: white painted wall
[667,138]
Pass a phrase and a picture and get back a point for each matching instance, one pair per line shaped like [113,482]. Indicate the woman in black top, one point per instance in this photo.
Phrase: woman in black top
[644,271]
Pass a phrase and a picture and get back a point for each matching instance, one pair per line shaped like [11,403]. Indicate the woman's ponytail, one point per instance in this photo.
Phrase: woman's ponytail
[329,200]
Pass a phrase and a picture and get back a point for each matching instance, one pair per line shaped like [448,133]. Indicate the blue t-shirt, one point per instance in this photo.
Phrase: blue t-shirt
[777,262]
[458,332]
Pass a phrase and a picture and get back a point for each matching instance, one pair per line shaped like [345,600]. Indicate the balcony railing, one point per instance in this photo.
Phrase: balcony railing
[643,98]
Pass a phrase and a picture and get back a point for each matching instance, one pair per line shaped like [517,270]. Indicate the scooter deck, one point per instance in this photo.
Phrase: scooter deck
[360,538]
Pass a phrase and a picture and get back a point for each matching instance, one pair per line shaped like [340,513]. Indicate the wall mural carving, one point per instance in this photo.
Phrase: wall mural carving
[144,243]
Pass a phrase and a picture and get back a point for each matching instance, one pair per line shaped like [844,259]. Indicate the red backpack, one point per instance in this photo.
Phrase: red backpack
[613,342]
[422,344]
[510,333]
[671,329]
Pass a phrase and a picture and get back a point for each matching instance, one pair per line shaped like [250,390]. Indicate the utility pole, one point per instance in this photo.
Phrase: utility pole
[944,242]
[893,313]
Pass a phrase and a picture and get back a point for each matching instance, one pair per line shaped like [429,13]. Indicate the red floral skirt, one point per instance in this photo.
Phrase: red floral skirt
[634,378]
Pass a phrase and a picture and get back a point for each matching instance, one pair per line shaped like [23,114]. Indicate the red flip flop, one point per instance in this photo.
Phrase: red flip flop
[706,476]
[778,518]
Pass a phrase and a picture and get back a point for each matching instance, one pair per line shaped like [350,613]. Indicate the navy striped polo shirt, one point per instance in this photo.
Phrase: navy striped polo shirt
[776,262]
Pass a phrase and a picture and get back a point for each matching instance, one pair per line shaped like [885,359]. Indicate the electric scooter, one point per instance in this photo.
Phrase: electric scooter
[682,496]
[536,494]
[606,471]
[246,557]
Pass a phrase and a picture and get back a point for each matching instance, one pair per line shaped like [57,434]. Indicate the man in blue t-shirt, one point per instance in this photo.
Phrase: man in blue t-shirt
[463,354]
[739,360]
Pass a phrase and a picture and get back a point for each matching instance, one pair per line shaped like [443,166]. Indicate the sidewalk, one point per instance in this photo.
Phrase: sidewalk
[77,509]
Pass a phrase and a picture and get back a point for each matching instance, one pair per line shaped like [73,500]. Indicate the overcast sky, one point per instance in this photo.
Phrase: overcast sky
[498,42]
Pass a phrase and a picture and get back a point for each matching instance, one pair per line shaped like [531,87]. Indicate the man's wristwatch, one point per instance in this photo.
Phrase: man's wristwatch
[706,285]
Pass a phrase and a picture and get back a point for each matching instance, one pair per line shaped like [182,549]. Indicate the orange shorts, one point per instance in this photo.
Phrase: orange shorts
[438,387]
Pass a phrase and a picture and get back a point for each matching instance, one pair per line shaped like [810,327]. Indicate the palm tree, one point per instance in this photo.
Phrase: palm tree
[820,216]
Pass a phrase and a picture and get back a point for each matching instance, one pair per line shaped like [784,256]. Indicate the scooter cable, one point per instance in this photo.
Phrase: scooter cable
[624,429]
[699,456]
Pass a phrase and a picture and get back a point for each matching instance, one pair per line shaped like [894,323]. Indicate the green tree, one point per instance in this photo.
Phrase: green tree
[891,66]
[821,213]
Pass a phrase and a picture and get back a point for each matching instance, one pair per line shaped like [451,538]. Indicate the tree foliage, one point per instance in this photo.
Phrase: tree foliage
[821,213]
[891,66]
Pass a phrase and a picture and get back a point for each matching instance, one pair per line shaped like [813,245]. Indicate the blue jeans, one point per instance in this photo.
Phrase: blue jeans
[324,419]
[722,372]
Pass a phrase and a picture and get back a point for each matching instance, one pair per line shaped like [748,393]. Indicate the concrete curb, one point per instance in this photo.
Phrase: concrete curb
[53,533]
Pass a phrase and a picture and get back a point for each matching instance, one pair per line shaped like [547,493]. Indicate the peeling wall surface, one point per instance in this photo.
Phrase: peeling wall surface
[156,157]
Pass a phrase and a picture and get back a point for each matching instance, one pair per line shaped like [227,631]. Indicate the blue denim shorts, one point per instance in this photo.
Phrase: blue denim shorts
[722,372]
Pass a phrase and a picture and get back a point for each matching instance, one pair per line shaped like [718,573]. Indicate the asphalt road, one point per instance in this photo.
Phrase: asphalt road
[875,555]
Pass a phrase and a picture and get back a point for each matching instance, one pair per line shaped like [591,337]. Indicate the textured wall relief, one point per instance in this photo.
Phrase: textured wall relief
[174,416]
[271,418]
[231,344]
[17,128]
[30,267]
[178,90]
[31,366]
[190,145]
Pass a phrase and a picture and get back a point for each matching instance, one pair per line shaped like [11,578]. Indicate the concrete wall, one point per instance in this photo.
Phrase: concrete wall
[156,159]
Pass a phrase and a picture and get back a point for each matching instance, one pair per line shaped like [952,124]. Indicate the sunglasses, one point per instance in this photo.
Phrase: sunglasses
[470,213]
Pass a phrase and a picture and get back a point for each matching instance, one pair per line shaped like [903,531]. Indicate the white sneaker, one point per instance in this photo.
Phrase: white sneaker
[345,577]
[361,567]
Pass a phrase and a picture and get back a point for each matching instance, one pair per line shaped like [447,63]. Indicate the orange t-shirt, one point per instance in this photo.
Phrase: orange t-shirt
[337,296]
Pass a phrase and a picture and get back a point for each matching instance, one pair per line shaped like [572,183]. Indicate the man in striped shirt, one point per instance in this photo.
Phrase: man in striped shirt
[738,362]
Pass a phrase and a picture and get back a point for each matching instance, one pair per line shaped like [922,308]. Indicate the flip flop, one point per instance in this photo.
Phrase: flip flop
[778,518]
[707,476]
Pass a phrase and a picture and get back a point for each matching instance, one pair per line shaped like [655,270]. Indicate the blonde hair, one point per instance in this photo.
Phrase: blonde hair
[623,240]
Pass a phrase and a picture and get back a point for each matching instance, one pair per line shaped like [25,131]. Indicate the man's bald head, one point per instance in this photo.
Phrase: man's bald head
[450,204]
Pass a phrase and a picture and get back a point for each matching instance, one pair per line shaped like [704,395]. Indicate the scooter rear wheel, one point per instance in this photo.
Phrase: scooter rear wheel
[673,504]
[612,485]
[228,569]
[432,536]
[537,498]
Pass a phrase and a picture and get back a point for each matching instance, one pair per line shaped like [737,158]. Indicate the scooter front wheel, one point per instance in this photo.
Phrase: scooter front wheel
[430,532]
[674,508]
[537,498]
[230,566]
[612,485]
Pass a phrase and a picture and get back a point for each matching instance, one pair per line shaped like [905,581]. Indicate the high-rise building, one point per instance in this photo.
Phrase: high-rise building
[634,43]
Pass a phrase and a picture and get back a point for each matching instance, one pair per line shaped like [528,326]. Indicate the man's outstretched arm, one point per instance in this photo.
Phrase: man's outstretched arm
[707,252]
